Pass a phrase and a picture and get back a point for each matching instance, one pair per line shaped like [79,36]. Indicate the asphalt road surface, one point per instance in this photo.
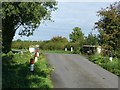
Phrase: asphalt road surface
[75,71]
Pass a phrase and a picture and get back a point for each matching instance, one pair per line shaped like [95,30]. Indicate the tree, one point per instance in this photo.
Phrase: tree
[109,26]
[59,39]
[76,35]
[58,43]
[91,39]
[26,14]
[18,40]
[77,39]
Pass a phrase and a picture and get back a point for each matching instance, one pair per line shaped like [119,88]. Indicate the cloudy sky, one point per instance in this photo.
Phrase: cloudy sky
[68,16]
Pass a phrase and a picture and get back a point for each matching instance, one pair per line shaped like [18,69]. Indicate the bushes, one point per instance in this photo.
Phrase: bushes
[98,59]
[16,73]
[104,62]
[76,47]
[117,53]
[56,43]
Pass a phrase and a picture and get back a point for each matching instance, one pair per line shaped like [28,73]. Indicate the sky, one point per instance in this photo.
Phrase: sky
[66,17]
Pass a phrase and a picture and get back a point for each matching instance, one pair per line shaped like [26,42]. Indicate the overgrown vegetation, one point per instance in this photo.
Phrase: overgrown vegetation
[56,43]
[112,66]
[16,73]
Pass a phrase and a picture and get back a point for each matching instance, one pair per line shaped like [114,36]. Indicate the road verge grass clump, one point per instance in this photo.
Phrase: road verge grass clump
[112,66]
[16,72]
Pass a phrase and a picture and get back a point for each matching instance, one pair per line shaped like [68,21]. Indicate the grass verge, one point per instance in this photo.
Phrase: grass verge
[57,51]
[112,66]
[16,73]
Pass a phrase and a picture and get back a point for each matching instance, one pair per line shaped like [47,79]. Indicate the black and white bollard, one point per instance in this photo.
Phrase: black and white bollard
[110,56]
[31,65]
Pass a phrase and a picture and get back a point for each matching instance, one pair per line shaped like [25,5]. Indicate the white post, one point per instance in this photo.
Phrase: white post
[71,49]
[98,50]
[36,56]
[65,49]
[111,56]
[36,59]
[111,59]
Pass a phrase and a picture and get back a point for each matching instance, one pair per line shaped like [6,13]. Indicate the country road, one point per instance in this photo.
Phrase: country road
[75,71]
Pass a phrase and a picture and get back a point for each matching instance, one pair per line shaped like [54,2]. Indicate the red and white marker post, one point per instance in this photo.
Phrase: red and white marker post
[36,55]
[31,65]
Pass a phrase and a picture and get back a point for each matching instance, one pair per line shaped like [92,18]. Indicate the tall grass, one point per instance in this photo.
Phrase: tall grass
[112,66]
[16,73]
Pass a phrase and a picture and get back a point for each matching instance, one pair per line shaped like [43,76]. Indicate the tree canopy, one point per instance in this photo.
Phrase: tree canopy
[76,35]
[109,26]
[77,39]
[91,39]
[26,14]
[55,43]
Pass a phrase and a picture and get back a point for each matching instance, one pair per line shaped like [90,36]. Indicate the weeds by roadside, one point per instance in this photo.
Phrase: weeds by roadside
[112,66]
[16,74]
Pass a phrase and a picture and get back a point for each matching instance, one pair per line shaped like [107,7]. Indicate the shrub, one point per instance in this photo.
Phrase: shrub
[10,54]
[104,62]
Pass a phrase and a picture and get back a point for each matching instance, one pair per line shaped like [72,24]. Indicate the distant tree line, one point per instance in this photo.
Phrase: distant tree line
[77,40]
[56,43]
